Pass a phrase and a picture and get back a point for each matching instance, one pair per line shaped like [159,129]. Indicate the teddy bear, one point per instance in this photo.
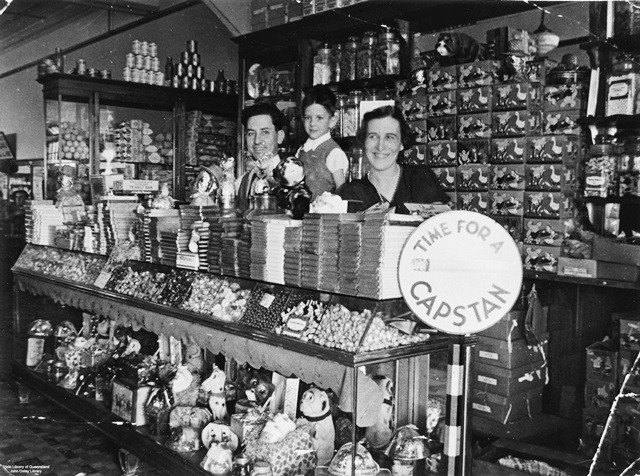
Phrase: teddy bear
[316,408]
[380,433]
[214,388]
[292,194]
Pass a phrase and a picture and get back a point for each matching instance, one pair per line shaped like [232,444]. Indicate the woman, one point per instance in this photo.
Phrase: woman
[384,133]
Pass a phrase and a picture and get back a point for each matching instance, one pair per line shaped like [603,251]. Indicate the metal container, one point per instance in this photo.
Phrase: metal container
[92,72]
[146,63]
[190,70]
[185,82]
[158,78]
[81,67]
[195,59]
[155,63]
[153,49]
[144,48]
[105,74]
[195,84]
[185,57]
[59,371]
[139,61]
[175,81]
[199,72]
[192,46]
[242,466]
[135,47]
[131,60]
[135,75]
[126,73]
[180,70]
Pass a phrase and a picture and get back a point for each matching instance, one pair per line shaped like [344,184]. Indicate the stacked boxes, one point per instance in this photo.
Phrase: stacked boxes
[509,374]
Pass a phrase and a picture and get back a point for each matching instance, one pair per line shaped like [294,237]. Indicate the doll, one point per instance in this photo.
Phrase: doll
[68,200]
[292,194]
[205,185]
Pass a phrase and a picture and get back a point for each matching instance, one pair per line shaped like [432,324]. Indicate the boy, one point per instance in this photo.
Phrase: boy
[325,164]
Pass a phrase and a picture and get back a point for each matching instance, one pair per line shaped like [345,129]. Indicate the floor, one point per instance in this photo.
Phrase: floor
[36,437]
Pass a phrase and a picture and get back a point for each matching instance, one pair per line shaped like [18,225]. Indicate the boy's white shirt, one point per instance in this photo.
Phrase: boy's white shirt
[336,160]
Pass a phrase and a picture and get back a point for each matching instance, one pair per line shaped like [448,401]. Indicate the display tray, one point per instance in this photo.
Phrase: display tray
[134,439]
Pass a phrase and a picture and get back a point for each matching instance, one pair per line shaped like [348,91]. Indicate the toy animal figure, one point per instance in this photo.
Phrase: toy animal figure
[316,408]
[381,432]
[219,433]
[292,194]
[193,358]
[456,48]
[219,459]
[214,387]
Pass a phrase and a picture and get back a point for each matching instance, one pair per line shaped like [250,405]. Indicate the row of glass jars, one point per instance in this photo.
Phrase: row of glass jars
[357,59]
[348,109]
[613,170]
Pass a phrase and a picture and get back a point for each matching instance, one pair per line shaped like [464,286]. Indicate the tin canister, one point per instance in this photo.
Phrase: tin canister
[199,72]
[212,86]
[155,63]
[126,73]
[204,85]
[139,61]
[192,46]
[190,70]
[92,72]
[195,84]
[158,78]
[175,81]
[185,82]
[153,49]
[185,57]
[105,74]
[131,60]
[144,48]
[146,63]
[180,70]
[135,75]
[135,47]
[81,67]
[195,59]
[144,76]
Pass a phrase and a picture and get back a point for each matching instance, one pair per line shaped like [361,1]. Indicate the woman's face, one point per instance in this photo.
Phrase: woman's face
[383,142]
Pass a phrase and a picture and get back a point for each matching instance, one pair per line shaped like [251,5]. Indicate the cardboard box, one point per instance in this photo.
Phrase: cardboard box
[507,177]
[128,401]
[540,258]
[419,130]
[473,201]
[442,103]
[416,154]
[546,177]
[544,232]
[479,73]
[543,204]
[630,334]
[599,393]
[507,409]
[415,105]
[474,126]
[509,328]
[442,153]
[442,79]
[506,382]
[537,70]
[561,122]
[515,123]
[473,177]
[512,224]
[446,177]
[602,362]
[609,250]
[516,96]
[473,151]
[507,203]
[474,100]
[441,128]
[510,355]
[564,96]
[590,268]
[247,426]
[132,186]
[508,150]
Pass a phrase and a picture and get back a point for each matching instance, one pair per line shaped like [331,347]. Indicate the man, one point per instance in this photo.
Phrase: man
[263,124]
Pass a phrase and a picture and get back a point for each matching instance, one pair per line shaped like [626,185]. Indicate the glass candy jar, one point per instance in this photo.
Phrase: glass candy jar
[341,103]
[600,171]
[387,54]
[366,56]
[336,62]
[351,116]
[629,168]
[322,66]
[348,61]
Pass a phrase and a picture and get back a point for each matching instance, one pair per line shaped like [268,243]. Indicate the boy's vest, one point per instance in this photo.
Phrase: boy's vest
[317,174]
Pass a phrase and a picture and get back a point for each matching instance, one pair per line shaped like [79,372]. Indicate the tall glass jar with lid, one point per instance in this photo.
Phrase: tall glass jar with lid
[387,54]
[366,56]
[336,62]
[349,59]
[629,168]
[351,116]
[341,104]
[322,65]
[600,169]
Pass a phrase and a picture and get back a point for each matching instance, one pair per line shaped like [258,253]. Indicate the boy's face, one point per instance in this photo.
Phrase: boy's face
[318,121]
[262,137]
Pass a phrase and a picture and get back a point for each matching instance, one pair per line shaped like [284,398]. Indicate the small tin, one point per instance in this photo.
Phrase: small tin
[192,46]
[135,47]
[204,85]
[155,63]
[195,59]
[195,84]
[185,57]
[190,70]
[199,72]
[175,81]
[139,61]
[126,73]
[212,86]
[158,78]
[146,63]
[144,48]
[92,72]
[81,67]
[105,74]
[180,69]
[135,75]
[153,50]
[185,82]
[131,60]
[144,76]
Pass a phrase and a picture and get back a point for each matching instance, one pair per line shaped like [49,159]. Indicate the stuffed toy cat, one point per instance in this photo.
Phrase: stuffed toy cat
[456,48]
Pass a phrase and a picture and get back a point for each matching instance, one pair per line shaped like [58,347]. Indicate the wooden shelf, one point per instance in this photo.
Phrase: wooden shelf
[627,200]
[621,121]
[606,283]
[119,431]
[113,92]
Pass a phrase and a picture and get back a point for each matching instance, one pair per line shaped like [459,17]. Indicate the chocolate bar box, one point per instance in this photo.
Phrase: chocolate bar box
[515,123]
[516,96]
[419,130]
[512,224]
[540,258]
[441,128]
[507,177]
[507,202]
[564,96]
[414,106]
[474,100]
[416,154]
[446,177]
[508,150]
[561,122]
[442,103]
[544,232]
[479,73]
[543,204]
[474,126]
[473,201]
[543,177]
[442,153]
[442,79]
[473,151]
[473,177]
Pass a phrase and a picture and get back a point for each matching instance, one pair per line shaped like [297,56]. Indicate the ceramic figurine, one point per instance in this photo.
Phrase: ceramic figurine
[163,201]
[316,408]
[214,387]
[205,185]
[380,433]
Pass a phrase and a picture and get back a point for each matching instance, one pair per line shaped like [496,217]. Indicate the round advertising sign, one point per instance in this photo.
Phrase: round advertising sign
[460,272]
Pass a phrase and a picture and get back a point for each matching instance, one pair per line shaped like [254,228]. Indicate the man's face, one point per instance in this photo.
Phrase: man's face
[262,138]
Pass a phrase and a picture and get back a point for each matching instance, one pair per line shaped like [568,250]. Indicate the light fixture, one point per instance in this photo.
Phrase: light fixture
[546,39]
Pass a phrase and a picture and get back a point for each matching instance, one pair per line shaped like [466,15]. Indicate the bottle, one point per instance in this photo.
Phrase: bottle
[336,62]
[341,103]
[348,60]
[366,56]
[387,54]
[220,82]
[322,65]
[168,71]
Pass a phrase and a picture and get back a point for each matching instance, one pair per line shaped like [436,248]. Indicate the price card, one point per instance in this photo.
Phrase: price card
[267,300]
[102,279]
